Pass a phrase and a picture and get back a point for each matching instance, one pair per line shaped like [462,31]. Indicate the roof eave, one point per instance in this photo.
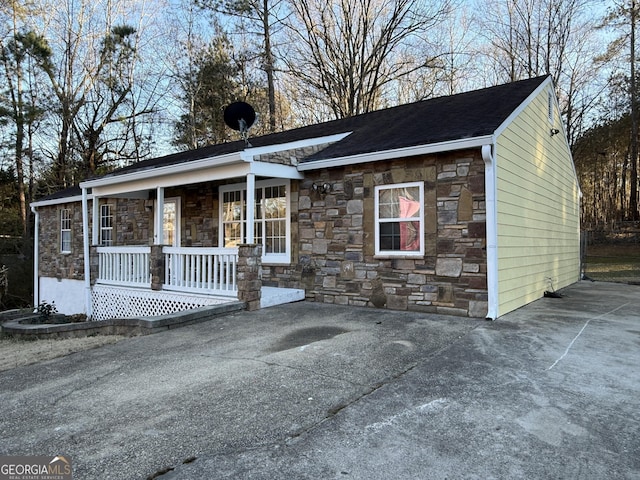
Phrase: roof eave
[228,159]
[57,201]
[460,144]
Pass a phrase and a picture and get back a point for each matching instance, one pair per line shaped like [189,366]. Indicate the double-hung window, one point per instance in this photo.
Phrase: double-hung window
[65,230]
[106,225]
[271,226]
[399,219]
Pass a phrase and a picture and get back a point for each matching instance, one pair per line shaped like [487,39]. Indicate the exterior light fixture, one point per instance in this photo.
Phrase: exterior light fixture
[323,188]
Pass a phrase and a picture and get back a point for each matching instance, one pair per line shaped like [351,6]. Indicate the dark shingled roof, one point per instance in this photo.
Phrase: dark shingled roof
[455,117]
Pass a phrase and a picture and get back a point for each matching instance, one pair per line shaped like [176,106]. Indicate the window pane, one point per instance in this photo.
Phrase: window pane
[399,202]
[232,234]
[275,236]
[233,207]
[169,223]
[390,236]
[399,210]
[66,241]
[106,225]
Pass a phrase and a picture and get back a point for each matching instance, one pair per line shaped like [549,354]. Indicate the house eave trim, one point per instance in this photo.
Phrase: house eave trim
[461,144]
[187,166]
[58,201]
[283,147]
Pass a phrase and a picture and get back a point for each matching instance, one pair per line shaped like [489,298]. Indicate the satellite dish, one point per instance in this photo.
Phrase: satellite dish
[240,116]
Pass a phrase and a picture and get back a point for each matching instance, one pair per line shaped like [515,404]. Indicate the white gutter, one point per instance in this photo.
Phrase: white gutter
[56,201]
[475,142]
[36,259]
[488,155]
[86,251]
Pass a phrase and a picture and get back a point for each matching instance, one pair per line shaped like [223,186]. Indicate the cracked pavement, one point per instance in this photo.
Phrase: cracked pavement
[236,383]
[310,390]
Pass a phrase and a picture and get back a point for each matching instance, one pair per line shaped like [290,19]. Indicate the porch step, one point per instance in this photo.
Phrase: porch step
[272,296]
[187,317]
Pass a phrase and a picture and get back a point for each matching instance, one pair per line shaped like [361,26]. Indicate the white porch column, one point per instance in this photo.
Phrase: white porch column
[86,251]
[95,232]
[251,201]
[159,215]
[36,259]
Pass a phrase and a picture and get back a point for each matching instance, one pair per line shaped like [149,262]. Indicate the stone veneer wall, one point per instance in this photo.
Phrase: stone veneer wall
[335,261]
[53,263]
[133,225]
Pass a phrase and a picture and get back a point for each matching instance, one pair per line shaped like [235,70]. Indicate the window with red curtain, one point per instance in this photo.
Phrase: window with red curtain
[400,219]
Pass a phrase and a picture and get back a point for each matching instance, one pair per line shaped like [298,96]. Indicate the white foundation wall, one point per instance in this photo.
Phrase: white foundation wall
[68,295]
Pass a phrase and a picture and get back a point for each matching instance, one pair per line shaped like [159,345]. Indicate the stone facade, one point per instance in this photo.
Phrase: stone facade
[133,225]
[334,257]
[52,262]
[332,236]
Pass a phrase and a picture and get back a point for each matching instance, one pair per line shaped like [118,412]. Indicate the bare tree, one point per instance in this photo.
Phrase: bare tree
[20,105]
[527,38]
[263,15]
[345,53]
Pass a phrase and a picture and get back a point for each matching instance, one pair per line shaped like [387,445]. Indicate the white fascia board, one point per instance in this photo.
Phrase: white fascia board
[475,142]
[173,179]
[58,201]
[275,170]
[522,106]
[307,142]
[167,171]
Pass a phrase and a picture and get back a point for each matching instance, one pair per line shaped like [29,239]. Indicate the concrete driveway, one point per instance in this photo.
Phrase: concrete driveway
[324,391]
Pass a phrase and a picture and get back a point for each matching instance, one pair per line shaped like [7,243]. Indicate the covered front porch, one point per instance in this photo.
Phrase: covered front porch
[160,271]
[159,280]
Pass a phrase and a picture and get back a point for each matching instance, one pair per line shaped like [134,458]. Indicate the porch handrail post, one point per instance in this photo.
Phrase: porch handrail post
[158,268]
[248,275]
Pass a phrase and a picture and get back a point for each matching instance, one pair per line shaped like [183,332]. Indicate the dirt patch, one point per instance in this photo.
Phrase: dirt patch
[16,353]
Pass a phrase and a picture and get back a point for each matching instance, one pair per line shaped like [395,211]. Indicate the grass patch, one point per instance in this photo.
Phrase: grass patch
[613,263]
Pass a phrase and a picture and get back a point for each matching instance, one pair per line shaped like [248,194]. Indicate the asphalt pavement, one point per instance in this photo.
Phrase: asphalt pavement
[316,391]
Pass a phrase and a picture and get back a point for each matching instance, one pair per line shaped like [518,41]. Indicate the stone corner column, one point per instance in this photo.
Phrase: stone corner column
[93,264]
[156,260]
[249,282]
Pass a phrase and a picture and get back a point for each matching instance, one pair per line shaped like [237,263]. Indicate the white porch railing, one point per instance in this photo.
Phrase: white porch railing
[201,270]
[127,266]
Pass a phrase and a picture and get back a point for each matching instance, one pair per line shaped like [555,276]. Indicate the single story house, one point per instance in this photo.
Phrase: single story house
[466,204]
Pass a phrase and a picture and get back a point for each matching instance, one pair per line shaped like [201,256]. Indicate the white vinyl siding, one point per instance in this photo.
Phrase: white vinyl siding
[538,209]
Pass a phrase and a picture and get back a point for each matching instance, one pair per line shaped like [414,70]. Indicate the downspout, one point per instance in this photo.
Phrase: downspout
[87,252]
[36,258]
[488,155]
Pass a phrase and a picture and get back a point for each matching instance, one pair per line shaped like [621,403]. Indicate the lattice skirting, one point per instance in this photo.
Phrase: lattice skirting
[120,302]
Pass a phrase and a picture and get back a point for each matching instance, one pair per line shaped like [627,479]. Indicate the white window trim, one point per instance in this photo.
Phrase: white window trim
[177,201]
[111,228]
[267,258]
[420,218]
[62,230]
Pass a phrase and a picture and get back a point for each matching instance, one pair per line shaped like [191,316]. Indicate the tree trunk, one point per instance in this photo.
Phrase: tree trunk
[268,66]
[633,193]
